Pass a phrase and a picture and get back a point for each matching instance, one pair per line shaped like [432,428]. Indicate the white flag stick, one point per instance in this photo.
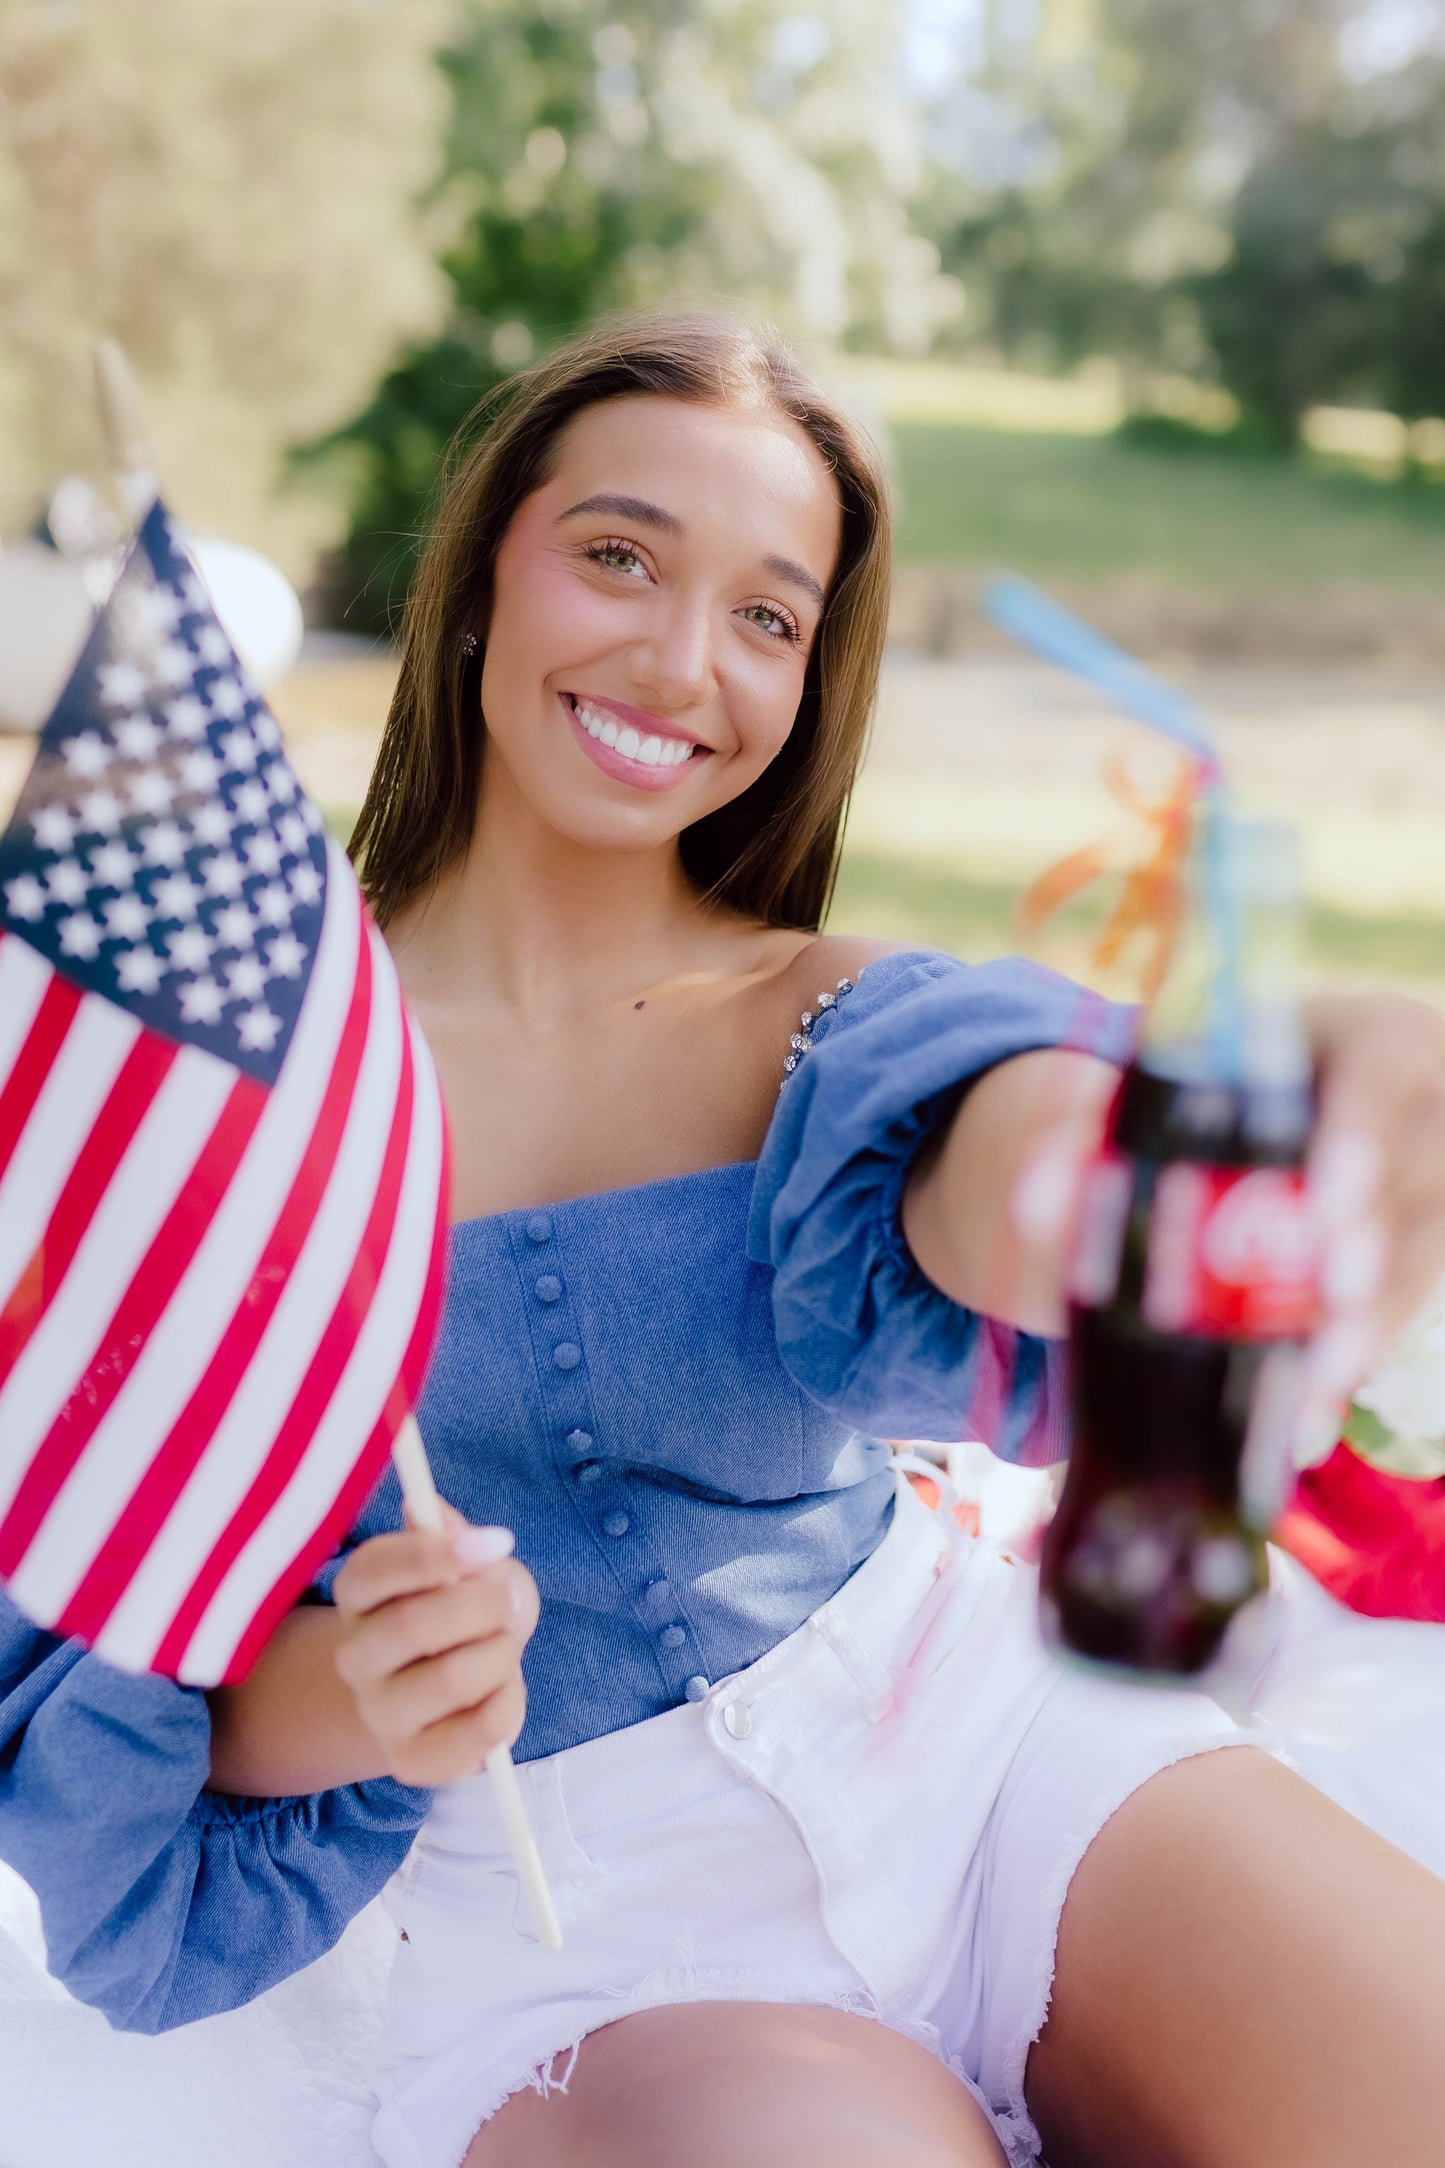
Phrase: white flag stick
[424,1506]
[123,419]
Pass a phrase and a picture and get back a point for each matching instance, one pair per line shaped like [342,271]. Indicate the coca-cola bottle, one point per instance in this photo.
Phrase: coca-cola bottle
[1193,1284]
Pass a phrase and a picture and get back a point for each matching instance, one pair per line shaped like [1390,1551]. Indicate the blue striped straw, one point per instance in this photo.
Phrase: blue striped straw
[1040,624]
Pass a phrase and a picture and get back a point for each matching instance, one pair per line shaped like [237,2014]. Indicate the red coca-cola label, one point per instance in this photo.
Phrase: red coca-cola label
[1233,1253]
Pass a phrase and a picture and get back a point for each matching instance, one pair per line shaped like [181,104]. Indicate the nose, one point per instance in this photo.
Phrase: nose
[674,663]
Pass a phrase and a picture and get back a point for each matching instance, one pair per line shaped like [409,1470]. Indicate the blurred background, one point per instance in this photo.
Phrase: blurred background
[1144,298]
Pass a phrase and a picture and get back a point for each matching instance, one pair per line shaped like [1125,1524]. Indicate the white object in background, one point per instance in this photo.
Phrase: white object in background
[1406,1394]
[46,614]
[255,602]
[286,2081]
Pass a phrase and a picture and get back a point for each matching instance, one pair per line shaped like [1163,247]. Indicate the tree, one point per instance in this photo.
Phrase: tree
[628,151]
[230,188]
[1245,188]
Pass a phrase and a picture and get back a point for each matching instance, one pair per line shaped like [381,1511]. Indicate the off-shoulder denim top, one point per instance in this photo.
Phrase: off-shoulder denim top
[676,1395]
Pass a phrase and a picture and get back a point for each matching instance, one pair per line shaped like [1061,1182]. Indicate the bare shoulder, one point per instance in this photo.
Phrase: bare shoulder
[826,958]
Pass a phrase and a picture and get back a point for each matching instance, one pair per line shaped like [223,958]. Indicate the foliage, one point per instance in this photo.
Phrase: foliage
[230,189]
[628,151]
[1241,188]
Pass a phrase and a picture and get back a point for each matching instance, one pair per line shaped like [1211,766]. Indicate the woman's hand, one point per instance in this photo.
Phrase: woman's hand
[1377,1173]
[989,1214]
[432,1632]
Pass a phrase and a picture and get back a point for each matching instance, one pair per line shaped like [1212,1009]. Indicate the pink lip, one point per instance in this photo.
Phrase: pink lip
[617,765]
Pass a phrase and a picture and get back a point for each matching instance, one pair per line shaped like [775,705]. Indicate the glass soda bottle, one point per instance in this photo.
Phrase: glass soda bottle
[1193,1284]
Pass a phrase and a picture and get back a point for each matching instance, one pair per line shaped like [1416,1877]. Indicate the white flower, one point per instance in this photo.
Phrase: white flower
[1406,1394]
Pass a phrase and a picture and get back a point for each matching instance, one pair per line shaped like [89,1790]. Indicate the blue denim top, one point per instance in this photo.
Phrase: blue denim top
[674,1394]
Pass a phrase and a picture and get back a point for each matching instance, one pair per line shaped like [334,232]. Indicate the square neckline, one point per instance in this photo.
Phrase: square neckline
[662,1181]
[600,1196]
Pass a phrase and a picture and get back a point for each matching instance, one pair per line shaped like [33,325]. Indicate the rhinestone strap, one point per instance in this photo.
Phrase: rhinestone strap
[802,1038]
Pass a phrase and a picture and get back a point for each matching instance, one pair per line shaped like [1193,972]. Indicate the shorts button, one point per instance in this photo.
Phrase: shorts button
[672,1637]
[616,1524]
[549,1287]
[738,1718]
[566,1354]
[696,1688]
[539,1228]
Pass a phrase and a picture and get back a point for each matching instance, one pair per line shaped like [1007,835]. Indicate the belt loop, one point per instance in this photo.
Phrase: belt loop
[867,1670]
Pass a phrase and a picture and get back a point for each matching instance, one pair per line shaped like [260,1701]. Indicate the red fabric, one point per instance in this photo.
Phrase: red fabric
[1375,1541]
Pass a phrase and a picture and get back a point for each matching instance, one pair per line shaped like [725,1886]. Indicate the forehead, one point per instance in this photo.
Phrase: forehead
[744,478]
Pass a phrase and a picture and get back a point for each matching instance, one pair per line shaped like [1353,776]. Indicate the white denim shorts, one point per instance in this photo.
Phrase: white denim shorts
[881,1815]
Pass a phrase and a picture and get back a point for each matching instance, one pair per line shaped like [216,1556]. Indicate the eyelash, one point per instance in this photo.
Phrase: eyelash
[615,546]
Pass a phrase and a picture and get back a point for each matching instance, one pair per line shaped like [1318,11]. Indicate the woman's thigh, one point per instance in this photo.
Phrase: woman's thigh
[744,2085]
[1245,1973]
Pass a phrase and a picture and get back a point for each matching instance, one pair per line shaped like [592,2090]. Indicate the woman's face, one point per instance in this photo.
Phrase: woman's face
[654,604]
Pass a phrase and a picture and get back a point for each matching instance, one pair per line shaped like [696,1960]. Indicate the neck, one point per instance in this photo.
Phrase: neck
[544,926]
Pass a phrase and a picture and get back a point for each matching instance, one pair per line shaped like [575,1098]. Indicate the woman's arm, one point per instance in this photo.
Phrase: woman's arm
[416,1672]
[985,1212]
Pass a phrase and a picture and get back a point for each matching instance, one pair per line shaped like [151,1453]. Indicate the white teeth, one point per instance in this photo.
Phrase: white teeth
[651,752]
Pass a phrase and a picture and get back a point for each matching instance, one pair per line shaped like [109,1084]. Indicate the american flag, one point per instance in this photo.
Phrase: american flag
[222,1157]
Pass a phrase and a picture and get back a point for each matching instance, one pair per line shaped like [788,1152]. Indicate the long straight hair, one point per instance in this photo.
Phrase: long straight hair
[773,852]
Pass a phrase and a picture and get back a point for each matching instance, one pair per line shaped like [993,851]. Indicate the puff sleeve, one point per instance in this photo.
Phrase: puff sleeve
[859,1327]
[161,1901]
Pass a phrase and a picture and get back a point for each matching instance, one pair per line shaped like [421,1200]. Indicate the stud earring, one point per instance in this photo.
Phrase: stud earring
[469,644]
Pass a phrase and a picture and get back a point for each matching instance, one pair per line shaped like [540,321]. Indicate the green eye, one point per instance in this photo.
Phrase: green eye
[616,557]
[771,621]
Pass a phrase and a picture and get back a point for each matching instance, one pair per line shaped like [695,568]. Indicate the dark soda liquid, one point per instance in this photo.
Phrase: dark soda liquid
[1151,1553]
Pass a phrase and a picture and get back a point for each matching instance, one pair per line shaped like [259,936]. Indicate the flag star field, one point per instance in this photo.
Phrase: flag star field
[162,851]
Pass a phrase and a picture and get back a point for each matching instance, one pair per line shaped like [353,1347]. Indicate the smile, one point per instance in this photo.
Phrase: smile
[648,759]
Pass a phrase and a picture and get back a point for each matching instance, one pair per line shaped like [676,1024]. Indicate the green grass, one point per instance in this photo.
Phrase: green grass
[890,897]
[1096,506]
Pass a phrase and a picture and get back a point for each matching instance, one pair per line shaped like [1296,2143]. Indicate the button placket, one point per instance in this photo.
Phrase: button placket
[599,1493]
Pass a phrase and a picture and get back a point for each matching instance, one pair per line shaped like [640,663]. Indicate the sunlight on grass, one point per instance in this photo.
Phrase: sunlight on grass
[1099,507]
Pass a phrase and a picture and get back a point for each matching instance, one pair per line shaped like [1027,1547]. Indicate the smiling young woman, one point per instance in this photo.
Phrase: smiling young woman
[765,844]
[734,1200]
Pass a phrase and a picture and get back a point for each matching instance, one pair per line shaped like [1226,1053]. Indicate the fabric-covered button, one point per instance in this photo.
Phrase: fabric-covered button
[672,1637]
[738,1718]
[580,1440]
[696,1688]
[549,1287]
[588,1472]
[539,1228]
[566,1354]
[616,1524]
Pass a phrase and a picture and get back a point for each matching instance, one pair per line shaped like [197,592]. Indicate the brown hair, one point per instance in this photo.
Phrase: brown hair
[773,852]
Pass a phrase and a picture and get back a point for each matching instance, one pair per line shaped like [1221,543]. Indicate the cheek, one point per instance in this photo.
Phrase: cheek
[765,707]
[545,617]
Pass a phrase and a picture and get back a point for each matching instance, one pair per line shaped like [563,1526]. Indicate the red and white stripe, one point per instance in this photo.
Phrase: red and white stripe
[217,1300]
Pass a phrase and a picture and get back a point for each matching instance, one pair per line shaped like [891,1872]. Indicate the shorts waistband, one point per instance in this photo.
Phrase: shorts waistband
[661,1762]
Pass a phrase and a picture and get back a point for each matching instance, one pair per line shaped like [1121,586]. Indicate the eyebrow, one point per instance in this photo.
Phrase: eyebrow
[642,514]
[636,509]
[783,568]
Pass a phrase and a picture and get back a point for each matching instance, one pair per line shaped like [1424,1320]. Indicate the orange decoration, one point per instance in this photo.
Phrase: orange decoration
[1152,896]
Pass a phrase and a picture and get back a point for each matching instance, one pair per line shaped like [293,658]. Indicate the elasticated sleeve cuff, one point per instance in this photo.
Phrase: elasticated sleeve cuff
[859,1327]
